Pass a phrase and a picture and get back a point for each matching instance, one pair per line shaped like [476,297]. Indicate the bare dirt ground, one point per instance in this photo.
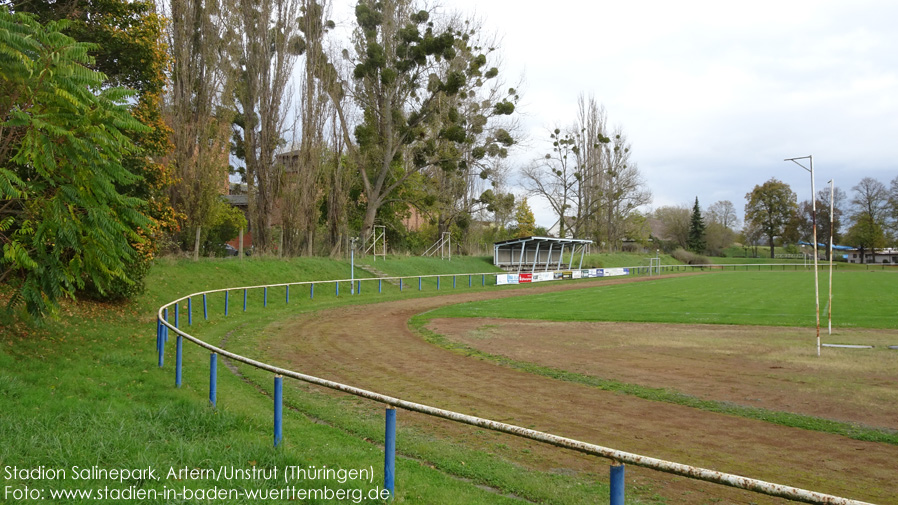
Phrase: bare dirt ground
[372,347]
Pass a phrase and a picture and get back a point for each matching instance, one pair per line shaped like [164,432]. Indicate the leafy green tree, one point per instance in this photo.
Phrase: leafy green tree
[526,221]
[867,235]
[771,206]
[696,242]
[63,142]
[127,47]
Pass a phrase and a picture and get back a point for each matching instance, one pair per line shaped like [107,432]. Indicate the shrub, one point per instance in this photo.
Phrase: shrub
[689,258]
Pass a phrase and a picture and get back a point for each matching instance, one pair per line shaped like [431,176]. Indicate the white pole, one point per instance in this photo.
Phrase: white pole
[832,191]
[814,224]
[816,273]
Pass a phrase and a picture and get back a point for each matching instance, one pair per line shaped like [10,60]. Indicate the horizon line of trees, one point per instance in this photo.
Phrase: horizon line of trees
[867,221]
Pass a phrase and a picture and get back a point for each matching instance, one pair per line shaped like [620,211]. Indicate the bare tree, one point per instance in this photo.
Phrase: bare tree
[555,177]
[588,178]
[869,215]
[307,162]
[624,189]
[723,212]
[268,48]
[590,136]
[871,200]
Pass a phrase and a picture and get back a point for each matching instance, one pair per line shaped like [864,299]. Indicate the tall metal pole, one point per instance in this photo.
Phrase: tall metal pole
[832,197]
[814,224]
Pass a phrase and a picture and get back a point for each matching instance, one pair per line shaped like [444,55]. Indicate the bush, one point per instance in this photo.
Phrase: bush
[689,258]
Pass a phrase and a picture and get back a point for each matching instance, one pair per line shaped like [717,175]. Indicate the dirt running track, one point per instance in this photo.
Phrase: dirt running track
[371,347]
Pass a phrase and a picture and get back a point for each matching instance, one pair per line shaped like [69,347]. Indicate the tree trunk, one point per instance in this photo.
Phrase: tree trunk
[196,244]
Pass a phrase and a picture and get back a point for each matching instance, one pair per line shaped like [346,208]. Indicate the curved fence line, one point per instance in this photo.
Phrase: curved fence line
[731,480]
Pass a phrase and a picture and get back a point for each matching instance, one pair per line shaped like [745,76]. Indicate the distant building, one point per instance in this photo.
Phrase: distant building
[881,256]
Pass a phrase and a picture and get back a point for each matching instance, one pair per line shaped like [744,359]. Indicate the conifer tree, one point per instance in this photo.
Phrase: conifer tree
[696,241]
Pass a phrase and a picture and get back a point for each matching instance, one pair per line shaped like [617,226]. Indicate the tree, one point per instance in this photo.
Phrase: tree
[269,45]
[199,110]
[485,107]
[408,74]
[770,207]
[64,222]
[674,221]
[696,242]
[869,214]
[893,204]
[589,179]
[524,217]
[309,162]
[866,234]
[624,189]
[555,177]
[721,220]
[805,217]
[723,212]
[127,47]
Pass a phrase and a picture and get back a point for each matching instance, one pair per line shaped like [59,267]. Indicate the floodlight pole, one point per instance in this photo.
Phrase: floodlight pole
[814,224]
[832,198]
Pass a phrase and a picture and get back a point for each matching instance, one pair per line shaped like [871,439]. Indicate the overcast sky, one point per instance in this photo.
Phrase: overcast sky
[713,94]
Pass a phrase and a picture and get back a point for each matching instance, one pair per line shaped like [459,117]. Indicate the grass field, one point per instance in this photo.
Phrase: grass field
[769,298]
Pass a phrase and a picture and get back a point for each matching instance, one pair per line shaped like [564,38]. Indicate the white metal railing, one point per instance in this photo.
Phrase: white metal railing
[731,480]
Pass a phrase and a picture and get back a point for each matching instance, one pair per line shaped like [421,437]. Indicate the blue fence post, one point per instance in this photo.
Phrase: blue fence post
[178,360]
[244,300]
[454,278]
[483,280]
[438,282]
[390,452]
[469,281]
[226,301]
[189,311]
[288,295]
[419,284]
[311,290]
[205,308]
[617,484]
[278,409]
[160,349]
[165,328]
[213,377]
[265,297]
[177,312]
[380,285]
[400,284]
[337,288]
[358,287]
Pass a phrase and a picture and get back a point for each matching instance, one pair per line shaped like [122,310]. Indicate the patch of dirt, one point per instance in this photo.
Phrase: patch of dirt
[736,364]
[371,347]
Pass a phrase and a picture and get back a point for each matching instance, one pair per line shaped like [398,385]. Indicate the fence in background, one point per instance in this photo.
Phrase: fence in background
[167,323]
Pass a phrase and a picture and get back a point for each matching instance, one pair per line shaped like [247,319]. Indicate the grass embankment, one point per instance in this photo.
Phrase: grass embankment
[84,391]
[863,300]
